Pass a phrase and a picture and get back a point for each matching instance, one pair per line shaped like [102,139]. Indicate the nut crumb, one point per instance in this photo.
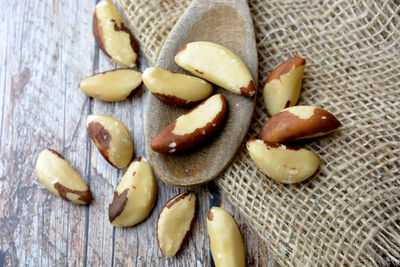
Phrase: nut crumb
[172,144]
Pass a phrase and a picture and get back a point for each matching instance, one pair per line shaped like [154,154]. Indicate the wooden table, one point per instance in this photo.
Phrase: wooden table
[46,48]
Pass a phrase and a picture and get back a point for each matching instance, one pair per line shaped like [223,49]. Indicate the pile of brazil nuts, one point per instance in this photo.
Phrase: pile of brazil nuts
[218,65]
[285,163]
[135,195]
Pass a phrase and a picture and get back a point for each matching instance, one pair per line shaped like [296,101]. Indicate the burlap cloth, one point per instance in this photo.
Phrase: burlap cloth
[348,214]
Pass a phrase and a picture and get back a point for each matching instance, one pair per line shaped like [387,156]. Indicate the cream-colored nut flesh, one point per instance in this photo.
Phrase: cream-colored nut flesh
[226,242]
[193,127]
[112,138]
[298,122]
[175,223]
[55,173]
[218,65]
[282,163]
[135,195]
[199,117]
[113,36]
[175,88]
[113,85]
[283,86]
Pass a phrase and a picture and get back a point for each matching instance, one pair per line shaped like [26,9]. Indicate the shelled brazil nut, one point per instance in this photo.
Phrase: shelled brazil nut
[283,86]
[135,195]
[113,36]
[283,163]
[217,64]
[112,138]
[55,173]
[175,223]
[298,122]
[112,85]
[176,89]
[226,241]
[193,127]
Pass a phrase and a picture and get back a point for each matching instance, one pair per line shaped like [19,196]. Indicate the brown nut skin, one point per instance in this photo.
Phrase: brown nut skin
[113,36]
[112,85]
[175,223]
[226,241]
[167,141]
[285,67]
[298,122]
[55,173]
[174,101]
[283,86]
[112,138]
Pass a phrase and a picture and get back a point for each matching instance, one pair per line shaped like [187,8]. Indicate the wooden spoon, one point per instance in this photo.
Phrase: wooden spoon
[228,23]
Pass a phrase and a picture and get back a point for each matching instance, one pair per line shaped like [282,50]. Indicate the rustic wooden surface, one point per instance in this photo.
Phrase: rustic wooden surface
[46,48]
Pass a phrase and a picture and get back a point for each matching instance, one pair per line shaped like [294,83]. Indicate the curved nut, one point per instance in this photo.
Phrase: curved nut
[298,122]
[191,128]
[135,195]
[283,163]
[175,223]
[226,242]
[55,173]
[283,86]
[216,64]
[113,36]
[112,139]
[176,89]
[113,85]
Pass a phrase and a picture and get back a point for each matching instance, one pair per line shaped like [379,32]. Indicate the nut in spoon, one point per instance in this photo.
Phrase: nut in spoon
[228,23]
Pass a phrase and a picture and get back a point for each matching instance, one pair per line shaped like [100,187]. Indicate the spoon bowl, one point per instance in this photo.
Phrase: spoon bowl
[228,23]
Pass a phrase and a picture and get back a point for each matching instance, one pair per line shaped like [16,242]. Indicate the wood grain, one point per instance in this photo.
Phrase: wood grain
[47,48]
[228,24]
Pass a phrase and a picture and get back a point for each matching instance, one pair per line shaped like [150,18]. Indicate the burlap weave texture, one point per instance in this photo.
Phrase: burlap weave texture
[348,214]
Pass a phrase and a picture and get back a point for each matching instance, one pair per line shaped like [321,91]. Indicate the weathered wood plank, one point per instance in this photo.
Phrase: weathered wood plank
[46,48]
[39,228]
